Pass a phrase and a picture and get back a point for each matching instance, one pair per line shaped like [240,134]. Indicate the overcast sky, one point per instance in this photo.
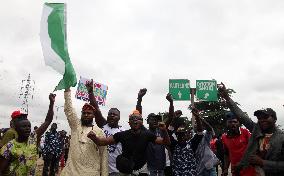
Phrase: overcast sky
[132,44]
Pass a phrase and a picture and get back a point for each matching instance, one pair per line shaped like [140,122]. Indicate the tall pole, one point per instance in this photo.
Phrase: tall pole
[192,94]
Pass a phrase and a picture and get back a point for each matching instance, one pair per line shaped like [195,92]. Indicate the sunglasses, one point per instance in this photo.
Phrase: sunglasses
[136,119]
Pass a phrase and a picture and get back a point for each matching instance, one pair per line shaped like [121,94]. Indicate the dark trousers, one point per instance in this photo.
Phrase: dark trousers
[168,171]
[50,165]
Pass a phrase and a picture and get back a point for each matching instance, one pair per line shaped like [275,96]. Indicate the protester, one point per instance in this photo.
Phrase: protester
[63,140]
[85,157]
[52,151]
[235,142]
[19,156]
[182,148]
[110,126]
[156,156]
[134,144]
[205,158]
[265,150]
[41,146]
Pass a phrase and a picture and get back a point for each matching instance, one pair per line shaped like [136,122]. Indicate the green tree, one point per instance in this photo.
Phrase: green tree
[214,112]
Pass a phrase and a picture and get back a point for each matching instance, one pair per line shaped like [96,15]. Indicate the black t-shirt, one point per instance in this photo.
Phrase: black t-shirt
[134,145]
[156,156]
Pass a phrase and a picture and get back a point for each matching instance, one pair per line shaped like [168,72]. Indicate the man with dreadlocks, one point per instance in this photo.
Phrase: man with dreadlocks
[18,157]
[85,157]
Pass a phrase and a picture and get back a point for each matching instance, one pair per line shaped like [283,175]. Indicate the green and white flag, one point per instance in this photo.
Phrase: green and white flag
[54,43]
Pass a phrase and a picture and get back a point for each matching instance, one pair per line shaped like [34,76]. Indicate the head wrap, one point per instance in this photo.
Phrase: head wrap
[87,106]
[135,113]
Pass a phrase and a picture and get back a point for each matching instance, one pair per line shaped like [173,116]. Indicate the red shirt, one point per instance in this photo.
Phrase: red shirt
[213,145]
[236,146]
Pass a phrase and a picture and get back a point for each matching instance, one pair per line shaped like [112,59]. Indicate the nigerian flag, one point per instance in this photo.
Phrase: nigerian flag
[54,44]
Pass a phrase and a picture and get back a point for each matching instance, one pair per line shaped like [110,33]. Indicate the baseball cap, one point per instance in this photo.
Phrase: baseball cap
[231,115]
[267,112]
[17,114]
[155,116]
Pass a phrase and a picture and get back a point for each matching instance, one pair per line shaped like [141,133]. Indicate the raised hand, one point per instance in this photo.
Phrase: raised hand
[89,85]
[195,112]
[142,92]
[169,97]
[52,97]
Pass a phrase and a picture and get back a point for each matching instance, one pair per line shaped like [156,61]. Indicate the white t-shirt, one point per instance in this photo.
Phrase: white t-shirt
[168,162]
[42,142]
[113,150]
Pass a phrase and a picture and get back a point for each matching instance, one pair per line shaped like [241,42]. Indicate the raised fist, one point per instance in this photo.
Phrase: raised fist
[142,92]
[89,85]
[52,97]
[169,97]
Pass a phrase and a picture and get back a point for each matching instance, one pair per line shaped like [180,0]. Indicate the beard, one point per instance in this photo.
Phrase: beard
[86,122]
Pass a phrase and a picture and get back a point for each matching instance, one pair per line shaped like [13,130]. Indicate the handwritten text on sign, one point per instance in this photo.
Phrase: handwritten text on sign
[100,91]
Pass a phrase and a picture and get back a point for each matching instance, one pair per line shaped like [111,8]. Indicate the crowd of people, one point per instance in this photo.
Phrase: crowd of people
[99,146]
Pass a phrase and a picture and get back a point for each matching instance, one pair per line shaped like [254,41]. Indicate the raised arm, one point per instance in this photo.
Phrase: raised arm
[169,97]
[243,117]
[99,119]
[209,131]
[207,126]
[199,126]
[48,118]
[141,93]
[70,111]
